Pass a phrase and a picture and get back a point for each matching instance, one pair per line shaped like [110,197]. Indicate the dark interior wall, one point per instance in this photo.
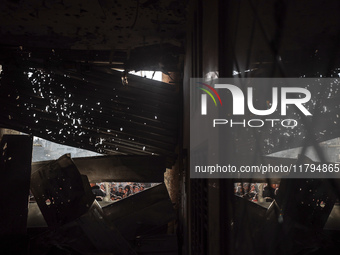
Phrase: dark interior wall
[202,208]
[15,172]
[270,38]
[208,55]
[191,69]
[208,18]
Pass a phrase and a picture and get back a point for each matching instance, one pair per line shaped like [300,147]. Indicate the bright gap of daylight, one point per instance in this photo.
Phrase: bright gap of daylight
[46,150]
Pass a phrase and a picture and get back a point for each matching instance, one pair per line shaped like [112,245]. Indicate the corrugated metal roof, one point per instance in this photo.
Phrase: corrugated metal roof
[93,111]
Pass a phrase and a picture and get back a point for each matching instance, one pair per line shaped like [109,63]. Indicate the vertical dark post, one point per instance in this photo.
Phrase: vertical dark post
[225,47]
[225,66]
[15,174]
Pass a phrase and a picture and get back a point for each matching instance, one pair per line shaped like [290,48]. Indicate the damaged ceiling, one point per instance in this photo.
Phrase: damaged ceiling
[130,35]
[57,80]
[91,25]
[94,111]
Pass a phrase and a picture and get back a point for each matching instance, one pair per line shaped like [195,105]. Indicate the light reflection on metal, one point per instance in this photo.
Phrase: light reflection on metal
[124,79]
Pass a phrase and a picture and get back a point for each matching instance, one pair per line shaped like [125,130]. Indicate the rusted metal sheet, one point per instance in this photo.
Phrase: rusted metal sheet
[61,192]
[141,212]
[118,168]
[15,172]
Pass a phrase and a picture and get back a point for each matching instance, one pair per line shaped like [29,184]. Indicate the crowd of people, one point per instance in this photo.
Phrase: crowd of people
[118,190]
[251,191]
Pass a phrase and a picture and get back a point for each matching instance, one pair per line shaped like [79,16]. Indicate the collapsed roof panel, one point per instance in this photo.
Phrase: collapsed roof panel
[94,112]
